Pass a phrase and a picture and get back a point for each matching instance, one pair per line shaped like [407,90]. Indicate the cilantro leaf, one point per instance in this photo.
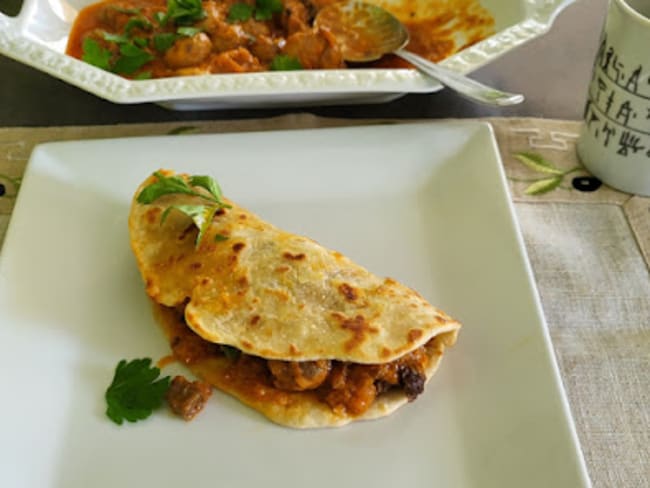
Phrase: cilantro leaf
[201,215]
[283,62]
[132,58]
[209,184]
[122,10]
[164,186]
[116,38]
[163,41]
[183,12]
[239,12]
[135,391]
[188,31]
[220,238]
[160,17]
[96,55]
[144,75]
[264,9]
[137,22]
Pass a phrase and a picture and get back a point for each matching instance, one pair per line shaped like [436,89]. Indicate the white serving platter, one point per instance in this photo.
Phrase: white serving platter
[426,204]
[38,36]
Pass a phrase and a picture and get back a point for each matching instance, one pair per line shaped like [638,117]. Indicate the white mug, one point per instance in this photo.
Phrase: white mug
[614,144]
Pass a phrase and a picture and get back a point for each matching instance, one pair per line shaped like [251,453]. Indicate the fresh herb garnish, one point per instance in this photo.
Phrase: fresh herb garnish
[183,12]
[128,11]
[164,41]
[201,215]
[116,38]
[132,58]
[239,12]
[188,31]
[220,238]
[160,17]
[137,22]
[264,9]
[96,55]
[283,62]
[135,391]
[144,75]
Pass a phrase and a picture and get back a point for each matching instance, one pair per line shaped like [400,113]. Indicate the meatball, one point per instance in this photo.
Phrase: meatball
[189,51]
[299,375]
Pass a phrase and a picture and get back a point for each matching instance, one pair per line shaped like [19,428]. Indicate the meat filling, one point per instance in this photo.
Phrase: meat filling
[348,388]
[187,398]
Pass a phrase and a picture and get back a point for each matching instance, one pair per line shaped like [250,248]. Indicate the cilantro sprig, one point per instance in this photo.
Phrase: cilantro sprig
[263,10]
[283,62]
[136,391]
[183,12]
[201,215]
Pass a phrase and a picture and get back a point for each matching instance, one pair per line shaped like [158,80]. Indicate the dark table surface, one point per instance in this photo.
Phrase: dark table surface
[552,72]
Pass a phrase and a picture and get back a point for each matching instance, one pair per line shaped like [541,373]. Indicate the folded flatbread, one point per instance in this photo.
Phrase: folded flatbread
[292,329]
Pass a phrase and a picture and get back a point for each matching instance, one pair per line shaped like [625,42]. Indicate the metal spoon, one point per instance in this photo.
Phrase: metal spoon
[366,32]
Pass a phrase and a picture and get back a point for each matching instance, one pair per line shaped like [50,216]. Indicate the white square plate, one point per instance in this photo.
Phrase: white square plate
[423,203]
[39,34]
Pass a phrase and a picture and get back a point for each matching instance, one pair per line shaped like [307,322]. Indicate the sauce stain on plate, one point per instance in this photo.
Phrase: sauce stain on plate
[437,28]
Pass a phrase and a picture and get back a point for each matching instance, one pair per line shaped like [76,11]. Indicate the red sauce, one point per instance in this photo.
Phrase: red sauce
[348,388]
[221,46]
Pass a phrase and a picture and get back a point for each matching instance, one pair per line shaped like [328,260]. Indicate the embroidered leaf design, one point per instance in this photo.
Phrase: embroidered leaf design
[538,163]
[543,186]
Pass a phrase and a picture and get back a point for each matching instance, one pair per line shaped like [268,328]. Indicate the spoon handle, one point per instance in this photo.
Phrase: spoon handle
[461,84]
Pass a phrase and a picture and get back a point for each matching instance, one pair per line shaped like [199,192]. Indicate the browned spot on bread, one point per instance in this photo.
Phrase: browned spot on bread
[221,211]
[243,281]
[414,334]
[281,294]
[206,281]
[359,328]
[337,255]
[152,215]
[385,352]
[238,246]
[390,281]
[293,257]
[255,319]
[152,289]
[242,217]
[293,350]
[195,265]
[282,269]
[348,292]
[247,344]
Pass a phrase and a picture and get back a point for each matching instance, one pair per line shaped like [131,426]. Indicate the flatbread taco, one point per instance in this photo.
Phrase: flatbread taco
[292,329]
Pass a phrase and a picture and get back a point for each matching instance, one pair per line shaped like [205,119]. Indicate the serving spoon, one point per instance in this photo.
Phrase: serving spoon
[366,32]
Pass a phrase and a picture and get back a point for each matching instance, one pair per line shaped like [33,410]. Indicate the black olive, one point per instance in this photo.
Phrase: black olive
[586,183]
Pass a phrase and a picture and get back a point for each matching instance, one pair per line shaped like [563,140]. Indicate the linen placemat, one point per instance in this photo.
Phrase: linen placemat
[589,247]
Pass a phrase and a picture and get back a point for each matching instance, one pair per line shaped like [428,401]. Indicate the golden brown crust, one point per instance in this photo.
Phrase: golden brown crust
[275,294]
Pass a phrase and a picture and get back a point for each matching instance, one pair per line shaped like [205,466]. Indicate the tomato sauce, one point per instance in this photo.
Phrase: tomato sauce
[144,39]
[347,388]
